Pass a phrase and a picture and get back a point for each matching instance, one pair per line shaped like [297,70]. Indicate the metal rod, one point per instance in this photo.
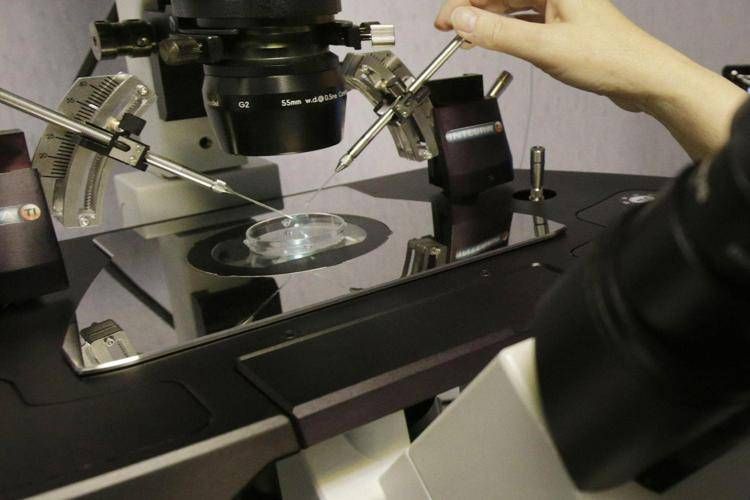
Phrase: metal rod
[437,63]
[151,159]
[386,118]
[538,160]
[174,168]
[215,185]
[98,135]
[501,85]
[53,117]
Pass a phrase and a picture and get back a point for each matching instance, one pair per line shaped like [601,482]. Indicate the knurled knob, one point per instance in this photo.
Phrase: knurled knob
[178,50]
[133,38]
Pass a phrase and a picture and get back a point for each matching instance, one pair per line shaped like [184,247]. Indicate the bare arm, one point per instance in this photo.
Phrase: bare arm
[591,45]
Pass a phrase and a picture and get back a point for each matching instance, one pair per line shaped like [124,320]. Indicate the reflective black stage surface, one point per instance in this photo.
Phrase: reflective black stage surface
[281,361]
[177,284]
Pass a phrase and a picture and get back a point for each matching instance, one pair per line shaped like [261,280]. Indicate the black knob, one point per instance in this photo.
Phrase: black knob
[133,38]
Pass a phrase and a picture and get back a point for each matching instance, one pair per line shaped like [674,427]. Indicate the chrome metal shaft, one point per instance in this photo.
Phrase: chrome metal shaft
[151,159]
[538,160]
[437,63]
[50,116]
[174,168]
[501,85]
[104,137]
[390,113]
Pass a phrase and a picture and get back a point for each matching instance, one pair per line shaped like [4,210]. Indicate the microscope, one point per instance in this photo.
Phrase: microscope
[634,384]
[290,376]
[256,81]
[233,81]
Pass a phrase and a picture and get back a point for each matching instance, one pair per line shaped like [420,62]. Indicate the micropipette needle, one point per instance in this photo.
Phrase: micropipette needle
[230,191]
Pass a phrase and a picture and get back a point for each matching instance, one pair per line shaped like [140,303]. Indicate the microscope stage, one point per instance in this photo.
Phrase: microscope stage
[178,284]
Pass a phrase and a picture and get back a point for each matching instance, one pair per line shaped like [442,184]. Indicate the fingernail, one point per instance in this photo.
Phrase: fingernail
[464,19]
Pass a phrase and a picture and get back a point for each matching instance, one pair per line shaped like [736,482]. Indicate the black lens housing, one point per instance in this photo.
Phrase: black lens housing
[276,88]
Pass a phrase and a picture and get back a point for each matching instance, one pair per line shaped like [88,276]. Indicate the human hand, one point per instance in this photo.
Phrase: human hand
[591,45]
[588,44]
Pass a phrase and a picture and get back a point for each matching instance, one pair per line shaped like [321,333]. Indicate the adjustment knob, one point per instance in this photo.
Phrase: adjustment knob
[178,50]
[378,35]
[382,35]
[133,38]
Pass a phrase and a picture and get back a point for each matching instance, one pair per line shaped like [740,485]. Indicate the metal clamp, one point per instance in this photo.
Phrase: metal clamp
[105,342]
[74,176]
[121,147]
[384,80]
[423,254]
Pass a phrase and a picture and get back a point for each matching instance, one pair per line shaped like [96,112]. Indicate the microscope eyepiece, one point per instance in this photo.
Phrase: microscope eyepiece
[642,348]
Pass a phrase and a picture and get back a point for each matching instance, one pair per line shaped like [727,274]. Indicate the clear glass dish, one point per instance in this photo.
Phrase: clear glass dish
[301,236]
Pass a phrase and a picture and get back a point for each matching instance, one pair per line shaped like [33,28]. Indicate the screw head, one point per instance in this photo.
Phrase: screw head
[85,220]
[30,212]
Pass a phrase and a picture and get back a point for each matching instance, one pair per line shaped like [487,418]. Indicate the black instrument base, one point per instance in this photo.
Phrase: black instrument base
[283,386]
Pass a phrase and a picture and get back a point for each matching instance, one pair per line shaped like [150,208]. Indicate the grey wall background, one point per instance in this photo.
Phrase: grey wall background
[42,43]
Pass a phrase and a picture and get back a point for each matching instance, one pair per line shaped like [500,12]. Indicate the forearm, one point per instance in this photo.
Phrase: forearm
[696,105]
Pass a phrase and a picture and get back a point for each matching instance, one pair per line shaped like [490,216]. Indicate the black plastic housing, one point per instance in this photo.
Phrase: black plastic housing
[474,150]
[30,261]
[256,9]
[642,349]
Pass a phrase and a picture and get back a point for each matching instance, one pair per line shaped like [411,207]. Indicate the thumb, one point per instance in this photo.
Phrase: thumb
[492,31]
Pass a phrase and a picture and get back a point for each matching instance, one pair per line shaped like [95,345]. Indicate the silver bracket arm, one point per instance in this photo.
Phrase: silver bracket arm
[383,79]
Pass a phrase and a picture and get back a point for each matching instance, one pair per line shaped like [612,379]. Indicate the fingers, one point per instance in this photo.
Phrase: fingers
[443,21]
[531,18]
[492,31]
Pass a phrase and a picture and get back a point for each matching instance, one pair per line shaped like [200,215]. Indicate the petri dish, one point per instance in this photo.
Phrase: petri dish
[301,236]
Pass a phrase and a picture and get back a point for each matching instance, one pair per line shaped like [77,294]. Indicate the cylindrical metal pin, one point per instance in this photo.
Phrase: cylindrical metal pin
[538,159]
[501,85]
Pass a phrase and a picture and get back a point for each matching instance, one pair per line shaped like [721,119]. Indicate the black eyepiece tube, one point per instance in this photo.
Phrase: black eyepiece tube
[643,348]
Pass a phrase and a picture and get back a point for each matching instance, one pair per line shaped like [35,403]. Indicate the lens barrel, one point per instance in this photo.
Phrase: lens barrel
[254,9]
[277,88]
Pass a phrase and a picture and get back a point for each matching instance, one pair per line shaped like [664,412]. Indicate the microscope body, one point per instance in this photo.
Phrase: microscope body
[493,442]
[271,86]
[635,384]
